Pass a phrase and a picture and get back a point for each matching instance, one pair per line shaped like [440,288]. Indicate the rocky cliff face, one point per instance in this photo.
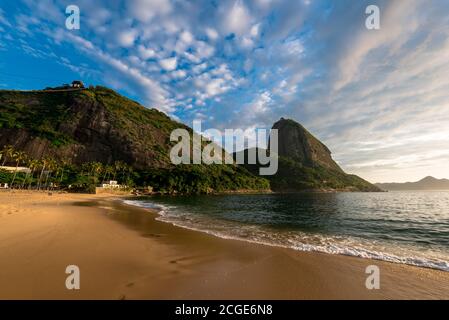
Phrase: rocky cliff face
[305,163]
[298,144]
[84,126]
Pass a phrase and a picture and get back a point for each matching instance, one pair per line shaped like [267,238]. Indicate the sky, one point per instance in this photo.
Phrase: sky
[379,99]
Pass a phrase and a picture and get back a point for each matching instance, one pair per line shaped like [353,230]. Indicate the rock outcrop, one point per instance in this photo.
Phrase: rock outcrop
[298,144]
[85,126]
[306,164]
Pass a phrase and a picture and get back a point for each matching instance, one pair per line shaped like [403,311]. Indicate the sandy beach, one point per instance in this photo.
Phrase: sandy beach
[124,253]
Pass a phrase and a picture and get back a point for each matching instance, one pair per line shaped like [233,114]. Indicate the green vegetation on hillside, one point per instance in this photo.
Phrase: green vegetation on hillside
[293,176]
[203,179]
[50,174]
[80,124]
[36,112]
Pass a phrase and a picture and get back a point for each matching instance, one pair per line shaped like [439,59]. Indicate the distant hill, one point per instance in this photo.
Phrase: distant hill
[305,163]
[428,183]
[100,125]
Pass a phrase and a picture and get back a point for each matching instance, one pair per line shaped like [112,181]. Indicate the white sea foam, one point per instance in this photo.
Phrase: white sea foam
[296,240]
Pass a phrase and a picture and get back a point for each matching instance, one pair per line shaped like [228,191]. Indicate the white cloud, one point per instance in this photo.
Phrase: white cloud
[193,58]
[145,10]
[179,74]
[237,19]
[127,38]
[397,27]
[204,50]
[186,37]
[169,64]
[261,103]
[294,47]
[212,34]
[146,53]
[186,40]
[255,29]
[247,43]
[214,83]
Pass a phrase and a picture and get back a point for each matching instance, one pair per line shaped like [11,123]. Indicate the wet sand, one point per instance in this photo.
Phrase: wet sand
[124,253]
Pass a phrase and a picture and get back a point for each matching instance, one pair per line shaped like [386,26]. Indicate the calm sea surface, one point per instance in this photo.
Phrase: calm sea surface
[402,227]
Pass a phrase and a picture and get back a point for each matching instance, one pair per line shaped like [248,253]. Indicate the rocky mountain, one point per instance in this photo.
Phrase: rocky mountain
[298,144]
[428,183]
[305,163]
[84,126]
[99,125]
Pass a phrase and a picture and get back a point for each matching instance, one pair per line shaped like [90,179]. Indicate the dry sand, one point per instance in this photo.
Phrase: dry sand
[123,253]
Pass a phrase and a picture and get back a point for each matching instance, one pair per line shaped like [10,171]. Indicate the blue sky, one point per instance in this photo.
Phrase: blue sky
[379,99]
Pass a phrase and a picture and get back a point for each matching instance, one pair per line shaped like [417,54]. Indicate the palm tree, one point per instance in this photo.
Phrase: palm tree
[18,156]
[33,165]
[97,168]
[85,167]
[45,163]
[126,169]
[7,152]
[130,171]
[108,170]
[27,163]
[118,166]
[64,164]
[51,166]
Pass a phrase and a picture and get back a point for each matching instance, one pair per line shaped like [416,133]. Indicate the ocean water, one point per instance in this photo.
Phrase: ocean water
[402,227]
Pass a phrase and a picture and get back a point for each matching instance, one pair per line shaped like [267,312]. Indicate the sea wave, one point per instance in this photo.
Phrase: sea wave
[296,240]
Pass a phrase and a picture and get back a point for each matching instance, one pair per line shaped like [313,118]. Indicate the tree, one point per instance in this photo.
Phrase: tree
[45,163]
[7,152]
[108,170]
[118,166]
[97,168]
[34,165]
[51,167]
[19,157]
[27,163]
[64,164]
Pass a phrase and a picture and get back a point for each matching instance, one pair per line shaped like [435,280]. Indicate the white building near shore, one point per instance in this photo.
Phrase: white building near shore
[111,185]
[19,169]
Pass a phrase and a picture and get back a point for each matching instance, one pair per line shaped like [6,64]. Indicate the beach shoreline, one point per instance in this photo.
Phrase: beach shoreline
[123,252]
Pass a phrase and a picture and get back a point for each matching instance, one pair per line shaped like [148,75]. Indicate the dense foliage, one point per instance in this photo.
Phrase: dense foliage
[51,174]
[42,119]
[202,179]
[293,176]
